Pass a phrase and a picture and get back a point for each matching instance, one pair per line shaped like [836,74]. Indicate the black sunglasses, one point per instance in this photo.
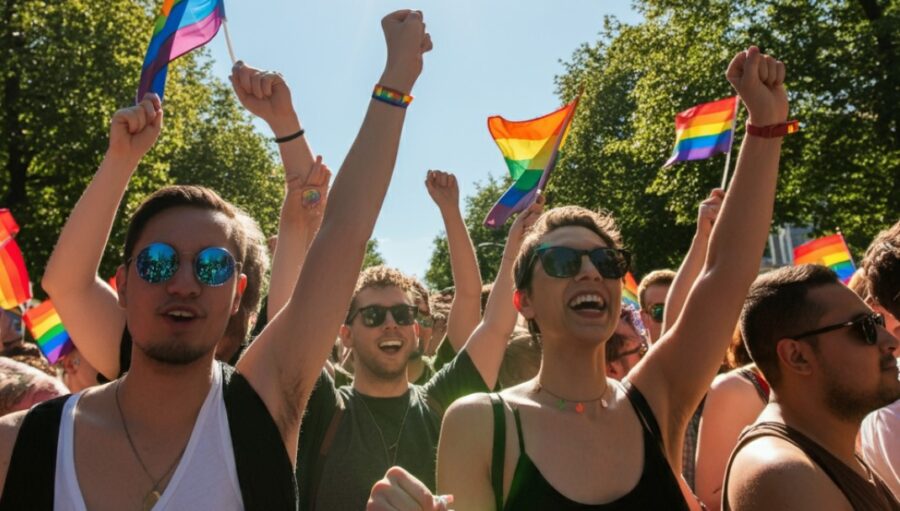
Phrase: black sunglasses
[374,315]
[564,262]
[640,351]
[868,323]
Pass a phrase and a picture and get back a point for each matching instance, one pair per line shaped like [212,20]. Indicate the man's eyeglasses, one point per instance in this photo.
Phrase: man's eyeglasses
[640,351]
[868,324]
[374,315]
[425,320]
[657,311]
[564,262]
[158,262]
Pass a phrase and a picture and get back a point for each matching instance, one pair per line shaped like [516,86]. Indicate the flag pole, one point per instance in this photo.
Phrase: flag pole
[737,104]
[228,41]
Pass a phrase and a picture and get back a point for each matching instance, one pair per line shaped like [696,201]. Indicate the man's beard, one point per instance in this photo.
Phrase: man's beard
[854,405]
[173,353]
[379,371]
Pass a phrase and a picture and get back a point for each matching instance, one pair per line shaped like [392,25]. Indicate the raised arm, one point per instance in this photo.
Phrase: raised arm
[266,95]
[488,342]
[694,260]
[70,278]
[678,371]
[465,311]
[286,359]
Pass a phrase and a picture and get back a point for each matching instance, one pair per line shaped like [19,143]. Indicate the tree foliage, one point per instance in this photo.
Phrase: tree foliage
[66,68]
[373,257]
[488,242]
[841,171]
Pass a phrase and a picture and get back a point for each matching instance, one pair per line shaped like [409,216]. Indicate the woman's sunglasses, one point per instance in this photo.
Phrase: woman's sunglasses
[565,262]
[374,315]
[868,325]
[158,262]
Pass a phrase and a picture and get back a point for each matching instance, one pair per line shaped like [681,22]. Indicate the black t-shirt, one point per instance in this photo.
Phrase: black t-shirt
[361,451]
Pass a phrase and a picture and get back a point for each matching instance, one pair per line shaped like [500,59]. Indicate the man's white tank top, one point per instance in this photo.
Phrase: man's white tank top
[206,476]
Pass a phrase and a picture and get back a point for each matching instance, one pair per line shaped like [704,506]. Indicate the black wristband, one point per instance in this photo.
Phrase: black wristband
[288,138]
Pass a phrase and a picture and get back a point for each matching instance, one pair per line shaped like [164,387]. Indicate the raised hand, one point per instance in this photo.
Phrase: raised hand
[407,41]
[400,491]
[443,189]
[264,93]
[522,224]
[134,130]
[311,195]
[709,211]
[759,80]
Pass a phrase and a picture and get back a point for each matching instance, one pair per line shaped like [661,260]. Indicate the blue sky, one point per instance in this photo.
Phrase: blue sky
[490,57]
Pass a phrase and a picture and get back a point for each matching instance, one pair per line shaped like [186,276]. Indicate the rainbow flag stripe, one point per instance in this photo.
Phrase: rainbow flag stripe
[530,149]
[45,326]
[15,288]
[830,251]
[182,26]
[704,130]
[630,291]
[8,225]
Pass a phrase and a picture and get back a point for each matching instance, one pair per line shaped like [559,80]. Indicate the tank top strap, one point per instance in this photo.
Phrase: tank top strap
[498,456]
[515,411]
[644,413]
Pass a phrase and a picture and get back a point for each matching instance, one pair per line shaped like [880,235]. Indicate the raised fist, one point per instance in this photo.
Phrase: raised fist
[442,188]
[407,41]
[759,80]
[134,130]
[264,93]
[709,211]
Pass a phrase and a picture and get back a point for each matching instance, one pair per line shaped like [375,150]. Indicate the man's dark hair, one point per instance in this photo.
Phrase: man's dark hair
[882,269]
[777,307]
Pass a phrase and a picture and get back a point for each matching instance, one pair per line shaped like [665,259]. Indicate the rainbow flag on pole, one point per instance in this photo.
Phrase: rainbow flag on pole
[182,26]
[630,291]
[830,251]
[45,326]
[530,149]
[15,288]
[704,130]
[8,226]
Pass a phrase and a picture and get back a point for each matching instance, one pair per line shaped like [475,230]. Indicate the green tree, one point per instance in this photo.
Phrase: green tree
[66,67]
[842,170]
[488,242]
[373,257]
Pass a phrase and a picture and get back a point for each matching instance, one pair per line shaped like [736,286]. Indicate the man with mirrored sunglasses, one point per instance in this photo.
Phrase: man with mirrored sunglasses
[352,434]
[180,429]
[652,292]
[829,361]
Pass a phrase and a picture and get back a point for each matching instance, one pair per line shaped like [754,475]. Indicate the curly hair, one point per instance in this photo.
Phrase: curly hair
[881,265]
[381,277]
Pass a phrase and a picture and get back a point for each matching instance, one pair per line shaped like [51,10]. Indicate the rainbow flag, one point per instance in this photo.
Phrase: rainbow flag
[45,326]
[8,226]
[830,251]
[182,26]
[704,130]
[530,149]
[630,291]
[15,288]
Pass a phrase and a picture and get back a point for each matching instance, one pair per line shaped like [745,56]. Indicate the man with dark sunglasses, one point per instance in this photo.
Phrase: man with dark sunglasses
[829,361]
[652,292]
[352,434]
[180,429]
[880,432]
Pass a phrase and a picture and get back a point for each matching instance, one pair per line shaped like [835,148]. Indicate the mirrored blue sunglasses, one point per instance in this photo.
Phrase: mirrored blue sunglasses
[158,262]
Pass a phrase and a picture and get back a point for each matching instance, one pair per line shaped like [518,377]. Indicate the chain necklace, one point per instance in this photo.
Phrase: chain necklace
[395,447]
[562,402]
[154,494]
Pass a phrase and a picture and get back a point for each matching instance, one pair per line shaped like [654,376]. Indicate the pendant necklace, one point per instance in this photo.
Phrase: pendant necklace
[154,494]
[395,447]
[562,402]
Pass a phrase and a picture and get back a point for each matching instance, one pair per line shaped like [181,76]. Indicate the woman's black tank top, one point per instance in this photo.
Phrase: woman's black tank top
[657,488]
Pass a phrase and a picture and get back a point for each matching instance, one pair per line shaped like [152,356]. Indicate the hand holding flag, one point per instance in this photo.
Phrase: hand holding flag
[134,130]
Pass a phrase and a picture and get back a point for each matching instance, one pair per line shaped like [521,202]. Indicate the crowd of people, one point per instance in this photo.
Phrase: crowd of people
[214,377]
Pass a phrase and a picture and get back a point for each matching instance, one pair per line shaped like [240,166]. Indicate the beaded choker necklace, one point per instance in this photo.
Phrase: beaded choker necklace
[562,403]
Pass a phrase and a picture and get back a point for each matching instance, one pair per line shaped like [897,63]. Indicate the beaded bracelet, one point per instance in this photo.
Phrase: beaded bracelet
[391,96]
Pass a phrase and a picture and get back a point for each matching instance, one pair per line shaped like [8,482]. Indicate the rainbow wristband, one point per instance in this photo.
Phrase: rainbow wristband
[391,96]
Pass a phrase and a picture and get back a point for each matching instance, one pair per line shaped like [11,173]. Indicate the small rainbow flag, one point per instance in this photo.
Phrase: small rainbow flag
[182,26]
[830,251]
[8,225]
[45,326]
[530,149]
[630,291]
[704,130]
[15,288]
